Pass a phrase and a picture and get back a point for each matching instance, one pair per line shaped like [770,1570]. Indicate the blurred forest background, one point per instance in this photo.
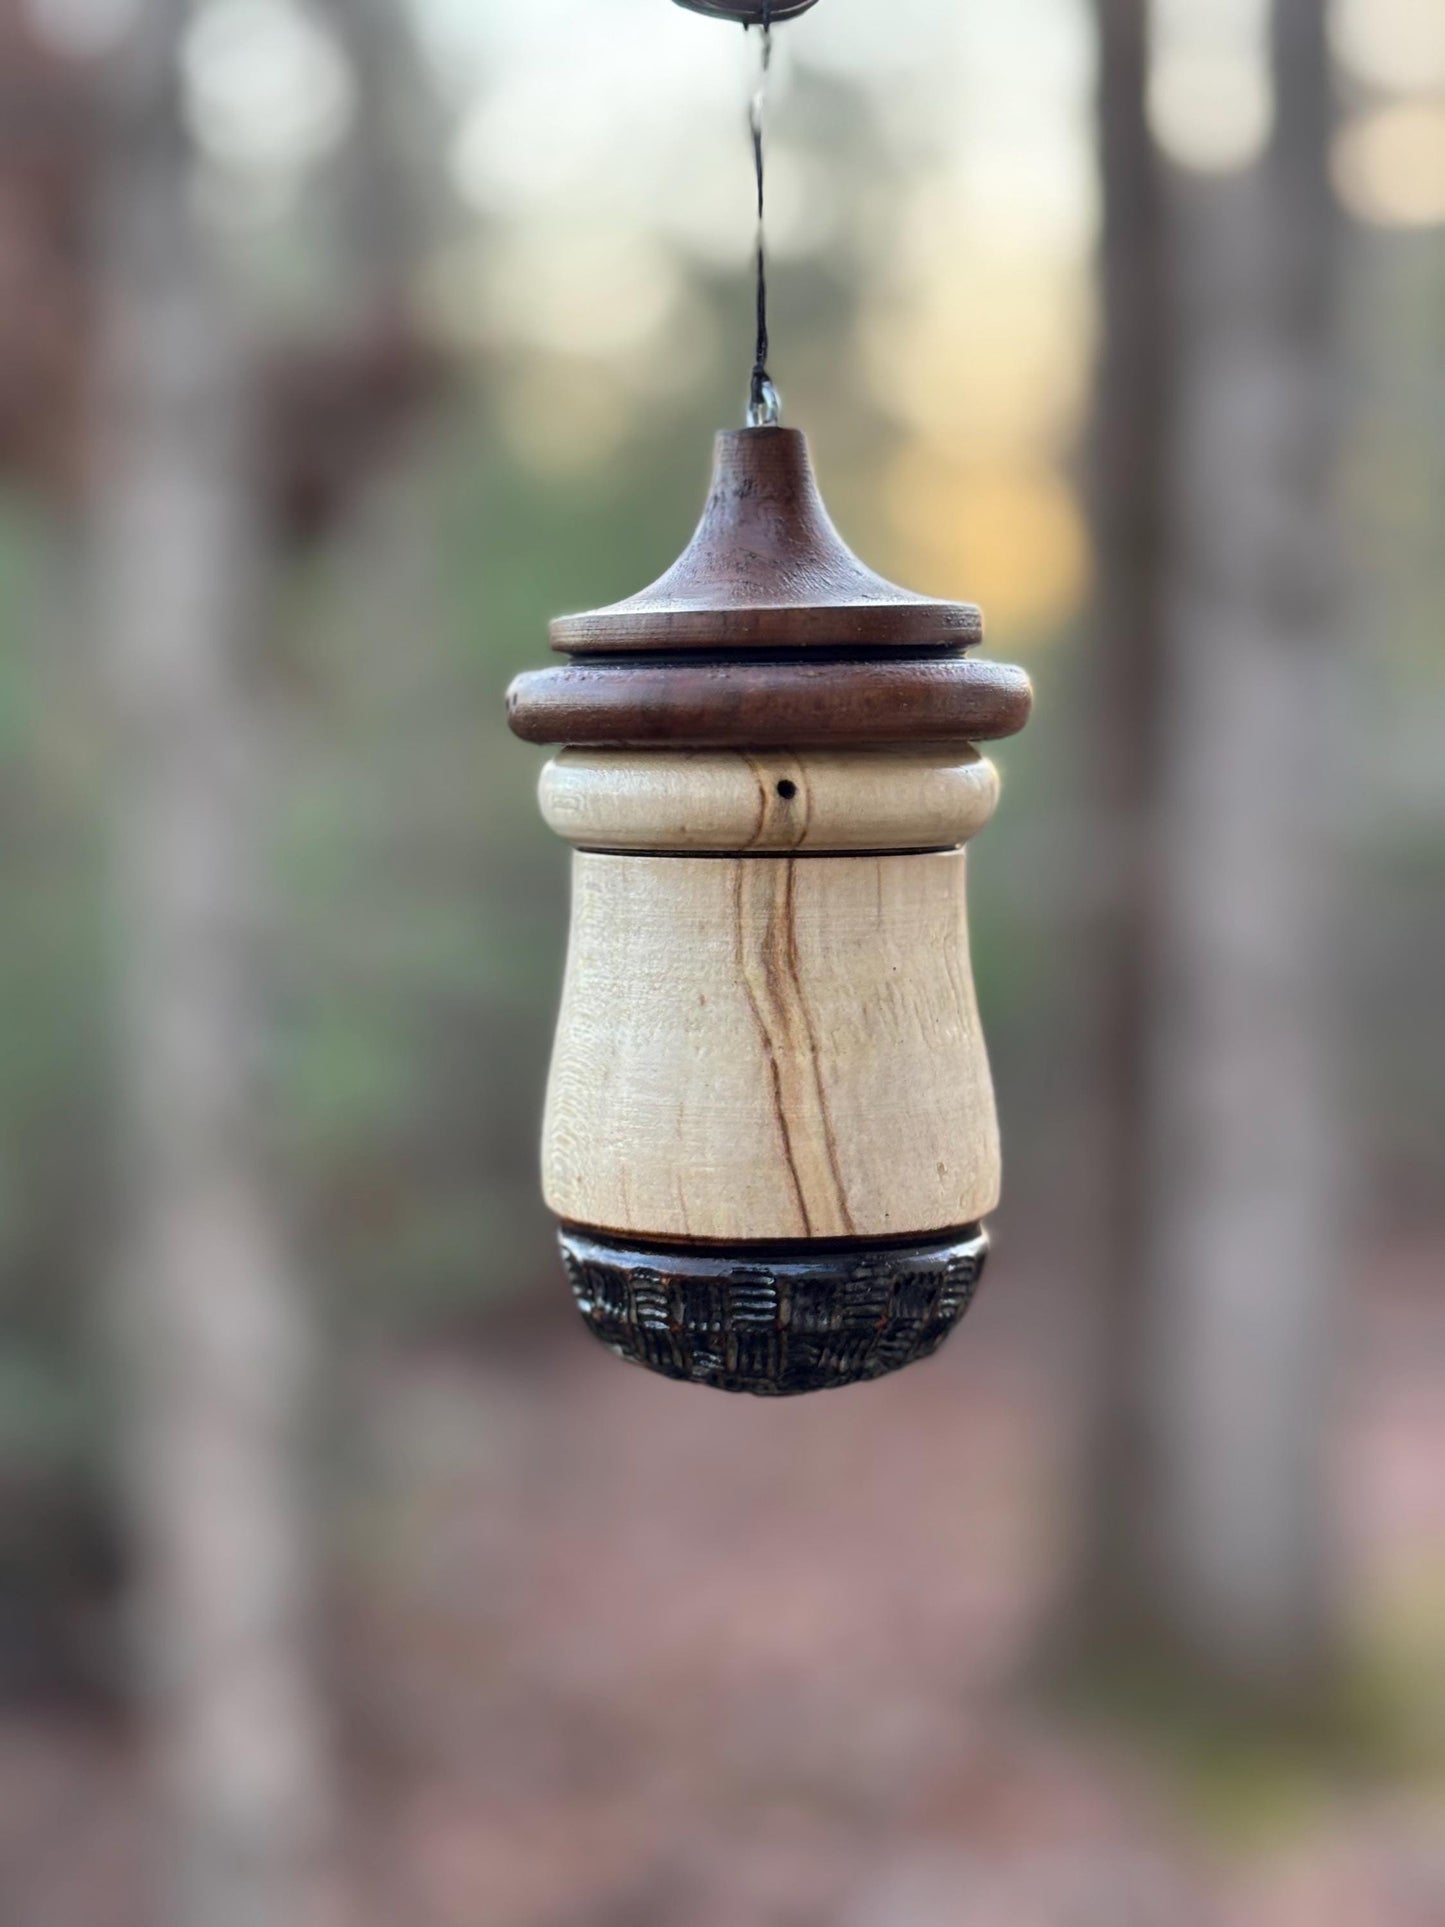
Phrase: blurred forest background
[342,343]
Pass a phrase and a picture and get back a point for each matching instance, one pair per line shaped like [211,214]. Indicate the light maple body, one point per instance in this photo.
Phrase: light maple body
[759,1046]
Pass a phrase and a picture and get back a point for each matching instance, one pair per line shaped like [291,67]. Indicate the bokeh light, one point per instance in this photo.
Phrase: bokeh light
[1389,165]
[266,90]
[1210,101]
[1012,538]
[1398,45]
[82,27]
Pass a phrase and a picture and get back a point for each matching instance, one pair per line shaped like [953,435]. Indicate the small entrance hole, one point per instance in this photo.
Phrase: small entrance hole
[787,790]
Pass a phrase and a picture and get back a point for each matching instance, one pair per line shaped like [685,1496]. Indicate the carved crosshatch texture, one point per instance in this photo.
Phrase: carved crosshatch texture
[775,1327]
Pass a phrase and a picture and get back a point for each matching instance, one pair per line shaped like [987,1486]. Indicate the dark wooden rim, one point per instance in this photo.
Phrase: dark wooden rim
[771,705]
[832,625]
[748,13]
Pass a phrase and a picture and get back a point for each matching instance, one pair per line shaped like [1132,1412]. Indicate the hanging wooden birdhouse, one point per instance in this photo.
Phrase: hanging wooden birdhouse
[770,1131]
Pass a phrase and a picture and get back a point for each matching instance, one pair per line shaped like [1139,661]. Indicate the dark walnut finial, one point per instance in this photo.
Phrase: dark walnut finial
[767,570]
[769,632]
[749,13]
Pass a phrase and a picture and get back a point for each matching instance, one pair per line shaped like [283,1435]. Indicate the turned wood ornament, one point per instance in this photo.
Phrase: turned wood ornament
[770,1131]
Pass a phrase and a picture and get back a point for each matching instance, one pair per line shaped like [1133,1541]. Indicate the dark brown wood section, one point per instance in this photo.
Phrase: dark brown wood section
[749,13]
[776,1324]
[771,705]
[767,570]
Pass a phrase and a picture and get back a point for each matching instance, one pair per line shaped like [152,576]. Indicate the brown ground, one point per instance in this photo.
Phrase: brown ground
[626,1655]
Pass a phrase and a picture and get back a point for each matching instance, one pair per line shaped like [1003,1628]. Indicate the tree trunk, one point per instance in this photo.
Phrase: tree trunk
[215,1332]
[1218,668]
[1131,466]
[1247,1229]
[385,202]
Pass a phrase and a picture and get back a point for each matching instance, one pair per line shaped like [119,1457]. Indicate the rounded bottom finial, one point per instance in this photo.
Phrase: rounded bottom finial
[775,1321]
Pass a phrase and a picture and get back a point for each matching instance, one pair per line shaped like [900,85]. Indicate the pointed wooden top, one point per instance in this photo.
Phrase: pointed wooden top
[767,570]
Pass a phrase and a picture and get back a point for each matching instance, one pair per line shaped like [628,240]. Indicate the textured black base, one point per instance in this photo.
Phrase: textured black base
[775,1322]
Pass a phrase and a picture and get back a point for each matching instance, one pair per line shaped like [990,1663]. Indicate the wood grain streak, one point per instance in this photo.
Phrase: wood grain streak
[814,1062]
[772,971]
[757,984]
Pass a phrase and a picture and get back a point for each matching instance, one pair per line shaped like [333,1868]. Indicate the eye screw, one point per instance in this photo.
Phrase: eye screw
[765,406]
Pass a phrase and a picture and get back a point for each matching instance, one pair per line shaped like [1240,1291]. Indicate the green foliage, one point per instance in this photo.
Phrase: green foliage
[1251,1774]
